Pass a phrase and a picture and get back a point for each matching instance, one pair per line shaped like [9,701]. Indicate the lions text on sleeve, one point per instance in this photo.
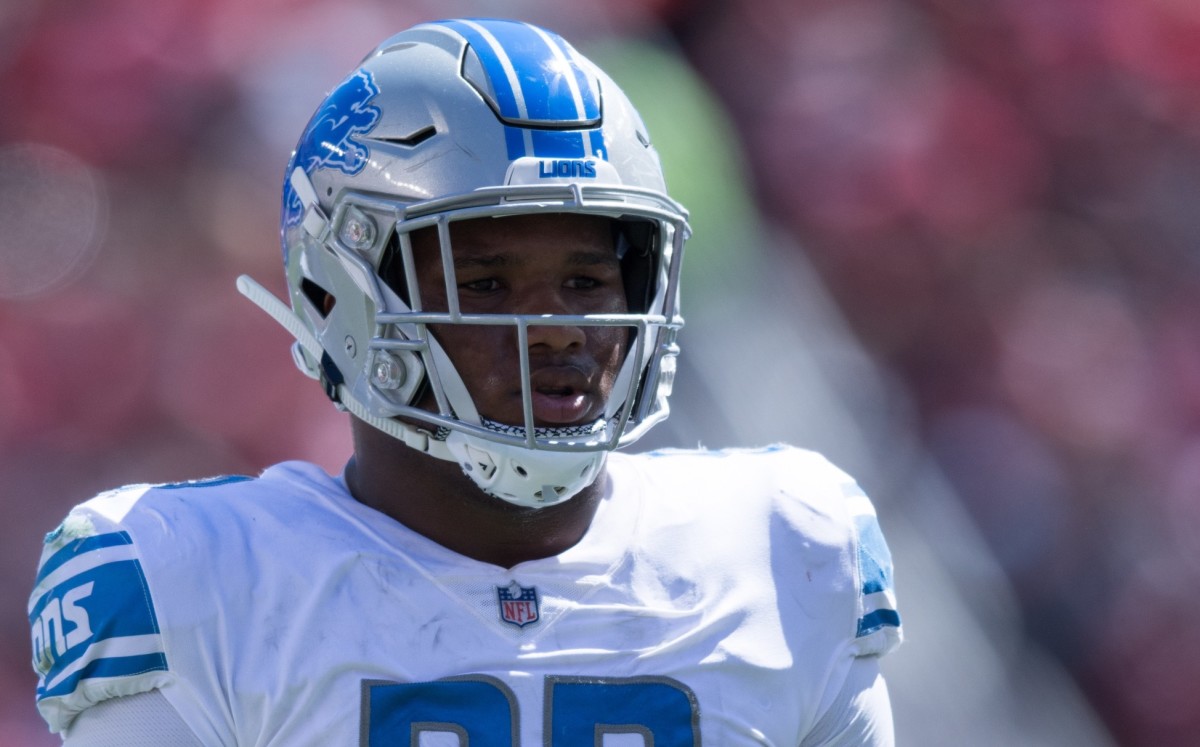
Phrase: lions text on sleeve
[718,598]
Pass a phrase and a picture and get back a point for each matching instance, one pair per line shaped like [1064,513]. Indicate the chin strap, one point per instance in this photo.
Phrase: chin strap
[411,435]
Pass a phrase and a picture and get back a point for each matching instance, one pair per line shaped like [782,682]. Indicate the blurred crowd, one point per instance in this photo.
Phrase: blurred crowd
[999,197]
[1004,198]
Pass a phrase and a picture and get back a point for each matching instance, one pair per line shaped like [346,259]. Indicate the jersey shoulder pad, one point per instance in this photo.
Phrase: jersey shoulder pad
[825,490]
[822,505]
[92,620]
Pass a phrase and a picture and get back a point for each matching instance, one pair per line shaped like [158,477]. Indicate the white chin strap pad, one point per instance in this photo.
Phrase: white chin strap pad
[524,477]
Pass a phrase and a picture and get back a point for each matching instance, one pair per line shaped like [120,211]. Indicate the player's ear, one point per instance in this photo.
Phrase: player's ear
[327,304]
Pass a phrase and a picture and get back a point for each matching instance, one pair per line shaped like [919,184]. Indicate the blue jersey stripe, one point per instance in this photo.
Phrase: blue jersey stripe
[95,608]
[114,586]
[76,548]
[119,666]
[874,558]
[877,620]
[210,482]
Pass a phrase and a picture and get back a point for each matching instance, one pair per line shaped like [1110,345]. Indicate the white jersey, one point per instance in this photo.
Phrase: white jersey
[718,598]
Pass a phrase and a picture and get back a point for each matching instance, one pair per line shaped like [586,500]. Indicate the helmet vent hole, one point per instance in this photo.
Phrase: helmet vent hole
[522,471]
[409,141]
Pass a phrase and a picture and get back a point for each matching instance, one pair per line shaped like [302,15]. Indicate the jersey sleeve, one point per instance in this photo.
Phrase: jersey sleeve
[878,628]
[854,707]
[143,720]
[93,622]
[860,714]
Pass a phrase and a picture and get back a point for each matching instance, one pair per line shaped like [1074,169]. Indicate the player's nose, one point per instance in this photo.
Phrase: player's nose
[550,302]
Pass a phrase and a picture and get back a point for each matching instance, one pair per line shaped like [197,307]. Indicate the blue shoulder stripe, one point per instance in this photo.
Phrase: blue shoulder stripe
[208,482]
[91,615]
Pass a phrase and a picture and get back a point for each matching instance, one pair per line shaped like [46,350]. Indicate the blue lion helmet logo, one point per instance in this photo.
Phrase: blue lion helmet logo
[327,142]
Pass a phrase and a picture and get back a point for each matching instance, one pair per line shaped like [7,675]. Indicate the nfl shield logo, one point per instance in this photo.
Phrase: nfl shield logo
[518,604]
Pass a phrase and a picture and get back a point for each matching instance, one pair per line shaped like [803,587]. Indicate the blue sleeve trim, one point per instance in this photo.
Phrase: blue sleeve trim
[92,616]
[877,599]
[210,482]
[874,557]
[77,548]
[878,620]
[113,667]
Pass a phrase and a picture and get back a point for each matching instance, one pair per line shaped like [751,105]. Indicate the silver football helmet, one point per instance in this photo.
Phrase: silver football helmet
[457,120]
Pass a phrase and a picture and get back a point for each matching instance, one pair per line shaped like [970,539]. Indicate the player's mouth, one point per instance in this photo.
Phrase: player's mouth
[560,406]
[563,398]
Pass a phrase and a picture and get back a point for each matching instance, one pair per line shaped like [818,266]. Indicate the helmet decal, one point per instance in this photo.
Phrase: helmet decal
[327,141]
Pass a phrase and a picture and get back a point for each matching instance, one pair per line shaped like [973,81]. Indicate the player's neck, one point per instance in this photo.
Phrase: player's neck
[435,499]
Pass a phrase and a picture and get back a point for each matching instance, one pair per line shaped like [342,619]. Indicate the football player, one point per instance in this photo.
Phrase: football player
[483,266]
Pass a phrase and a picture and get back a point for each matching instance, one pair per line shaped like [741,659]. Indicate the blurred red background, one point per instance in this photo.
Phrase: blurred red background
[1000,200]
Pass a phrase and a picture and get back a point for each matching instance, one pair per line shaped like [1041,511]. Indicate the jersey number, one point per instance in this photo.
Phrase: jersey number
[579,712]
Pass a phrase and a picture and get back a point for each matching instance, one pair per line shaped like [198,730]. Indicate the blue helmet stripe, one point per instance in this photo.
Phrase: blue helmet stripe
[544,143]
[557,144]
[514,139]
[529,58]
[535,75]
[566,70]
[503,78]
[596,143]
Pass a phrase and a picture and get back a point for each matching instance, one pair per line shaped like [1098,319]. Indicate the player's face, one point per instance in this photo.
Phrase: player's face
[532,264]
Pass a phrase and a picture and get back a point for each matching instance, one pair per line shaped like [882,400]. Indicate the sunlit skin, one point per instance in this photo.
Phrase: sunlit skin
[536,264]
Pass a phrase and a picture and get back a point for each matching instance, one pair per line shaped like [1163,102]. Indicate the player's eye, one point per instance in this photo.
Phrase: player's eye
[482,285]
[583,282]
[595,277]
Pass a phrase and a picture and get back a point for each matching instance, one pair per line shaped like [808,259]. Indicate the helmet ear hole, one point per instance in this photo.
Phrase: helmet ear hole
[322,300]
